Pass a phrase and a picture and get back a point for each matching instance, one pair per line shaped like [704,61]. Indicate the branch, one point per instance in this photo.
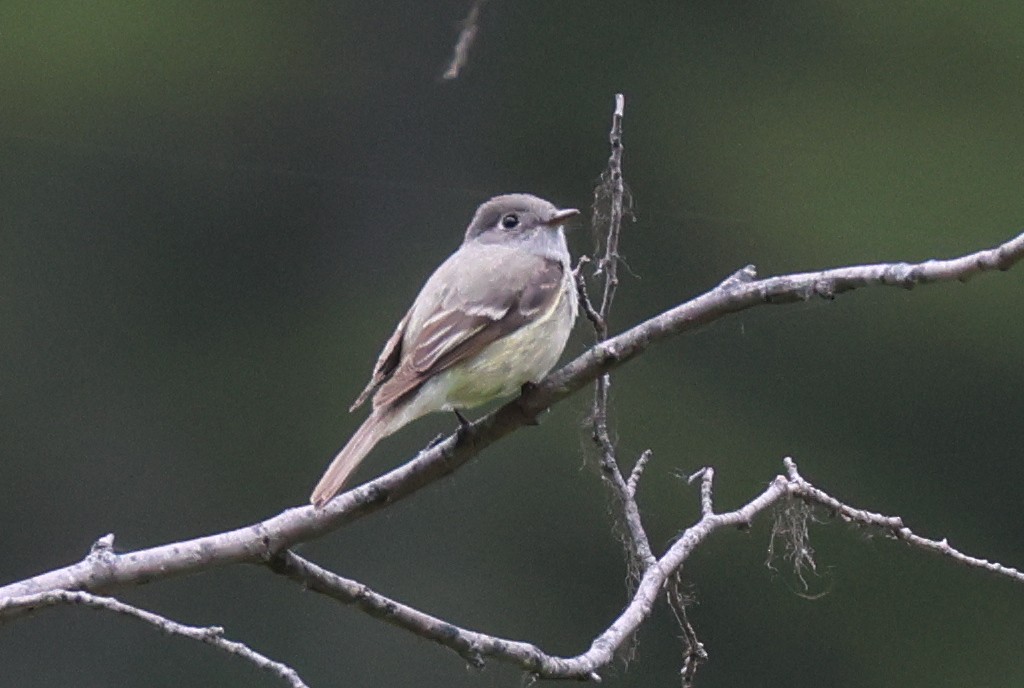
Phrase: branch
[893,525]
[611,191]
[260,542]
[609,206]
[660,577]
[211,635]
[469,645]
[460,54]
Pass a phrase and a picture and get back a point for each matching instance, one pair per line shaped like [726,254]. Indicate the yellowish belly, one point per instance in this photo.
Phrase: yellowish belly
[501,369]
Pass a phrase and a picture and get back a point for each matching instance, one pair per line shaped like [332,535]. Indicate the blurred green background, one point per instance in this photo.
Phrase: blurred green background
[212,215]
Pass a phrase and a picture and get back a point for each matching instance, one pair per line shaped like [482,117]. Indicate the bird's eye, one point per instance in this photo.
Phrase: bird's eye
[510,221]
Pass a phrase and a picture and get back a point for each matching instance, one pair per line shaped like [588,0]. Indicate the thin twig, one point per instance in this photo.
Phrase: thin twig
[585,303]
[706,476]
[638,471]
[694,654]
[894,526]
[460,54]
[211,635]
[613,189]
[610,192]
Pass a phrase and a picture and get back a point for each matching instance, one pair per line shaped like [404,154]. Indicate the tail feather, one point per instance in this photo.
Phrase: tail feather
[373,430]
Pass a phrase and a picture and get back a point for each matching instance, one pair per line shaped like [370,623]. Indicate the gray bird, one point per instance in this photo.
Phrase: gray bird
[494,316]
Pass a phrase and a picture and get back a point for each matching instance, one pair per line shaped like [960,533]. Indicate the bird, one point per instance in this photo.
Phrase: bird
[493,317]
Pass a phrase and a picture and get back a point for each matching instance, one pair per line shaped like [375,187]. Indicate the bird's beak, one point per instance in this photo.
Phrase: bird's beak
[560,216]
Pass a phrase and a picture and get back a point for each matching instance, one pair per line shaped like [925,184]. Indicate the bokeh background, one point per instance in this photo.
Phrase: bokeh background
[212,215]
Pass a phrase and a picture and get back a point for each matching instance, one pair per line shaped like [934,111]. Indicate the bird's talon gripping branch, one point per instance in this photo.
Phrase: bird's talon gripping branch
[527,388]
[464,423]
[465,429]
[529,417]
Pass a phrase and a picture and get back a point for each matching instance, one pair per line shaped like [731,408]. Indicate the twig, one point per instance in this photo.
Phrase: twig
[893,525]
[460,54]
[211,635]
[612,190]
[694,654]
[585,303]
[259,542]
[638,471]
[610,193]
[707,501]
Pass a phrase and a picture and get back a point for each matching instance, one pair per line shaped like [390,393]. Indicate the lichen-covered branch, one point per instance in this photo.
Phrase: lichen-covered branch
[609,210]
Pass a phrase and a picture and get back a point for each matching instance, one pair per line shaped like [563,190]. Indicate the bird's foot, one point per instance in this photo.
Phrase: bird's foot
[528,417]
[465,430]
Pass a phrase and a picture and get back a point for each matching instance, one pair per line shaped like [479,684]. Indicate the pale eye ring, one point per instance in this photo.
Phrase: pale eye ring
[510,221]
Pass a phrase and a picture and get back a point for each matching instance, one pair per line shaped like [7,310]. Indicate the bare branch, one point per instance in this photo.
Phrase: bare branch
[585,303]
[707,500]
[609,208]
[460,54]
[638,471]
[611,191]
[694,653]
[470,645]
[259,542]
[211,635]
[660,576]
[893,525]
[269,542]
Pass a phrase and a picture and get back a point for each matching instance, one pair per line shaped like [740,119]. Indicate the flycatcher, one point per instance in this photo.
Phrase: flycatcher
[491,318]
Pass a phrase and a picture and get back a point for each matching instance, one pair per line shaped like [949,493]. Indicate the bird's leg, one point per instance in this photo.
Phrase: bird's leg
[527,387]
[465,427]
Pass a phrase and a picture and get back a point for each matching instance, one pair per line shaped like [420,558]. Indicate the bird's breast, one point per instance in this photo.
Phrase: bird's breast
[502,367]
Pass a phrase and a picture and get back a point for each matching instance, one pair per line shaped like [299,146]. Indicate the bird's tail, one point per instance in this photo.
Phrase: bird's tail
[379,425]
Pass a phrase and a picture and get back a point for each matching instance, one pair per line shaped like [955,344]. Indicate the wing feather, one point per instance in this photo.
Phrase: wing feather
[466,320]
[388,360]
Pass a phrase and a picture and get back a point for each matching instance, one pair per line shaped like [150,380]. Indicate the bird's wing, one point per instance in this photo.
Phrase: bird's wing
[474,311]
[388,360]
